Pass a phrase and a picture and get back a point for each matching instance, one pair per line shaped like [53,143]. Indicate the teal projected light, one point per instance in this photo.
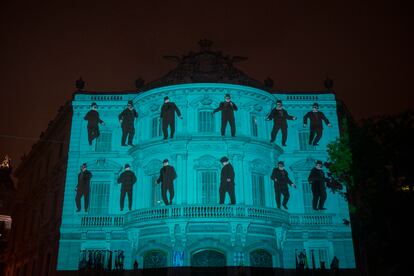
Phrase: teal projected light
[196,230]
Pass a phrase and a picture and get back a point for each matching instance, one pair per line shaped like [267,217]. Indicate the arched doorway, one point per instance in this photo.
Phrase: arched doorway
[261,258]
[208,258]
[155,259]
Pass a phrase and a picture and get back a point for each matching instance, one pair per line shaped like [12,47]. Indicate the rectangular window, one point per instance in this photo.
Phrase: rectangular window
[205,121]
[156,127]
[307,194]
[156,191]
[253,120]
[258,189]
[99,197]
[304,140]
[103,142]
[209,187]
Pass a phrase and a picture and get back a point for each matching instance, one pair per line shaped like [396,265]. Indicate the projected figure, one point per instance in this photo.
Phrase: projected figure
[281,180]
[317,180]
[82,189]
[227,109]
[127,180]
[166,178]
[280,117]
[227,181]
[93,123]
[316,126]
[126,118]
[167,115]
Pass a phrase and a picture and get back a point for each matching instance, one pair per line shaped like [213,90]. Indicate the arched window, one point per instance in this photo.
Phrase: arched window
[156,190]
[261,258]
[155,259]
[205,121]
[206,258]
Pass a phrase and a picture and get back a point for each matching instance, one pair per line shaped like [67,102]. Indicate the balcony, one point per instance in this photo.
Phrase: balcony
[207,213]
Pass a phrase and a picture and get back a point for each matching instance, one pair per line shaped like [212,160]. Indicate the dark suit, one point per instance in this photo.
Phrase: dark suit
[280,117]
[82,189]
[127,179]
[227,183]
[281,180]
[317,180]
[167,115]
[316,126]
[93,125]
[227,115]
[128,116]
[166,178]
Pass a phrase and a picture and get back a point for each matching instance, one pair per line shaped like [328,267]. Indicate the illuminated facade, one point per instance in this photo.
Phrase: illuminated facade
[195,230]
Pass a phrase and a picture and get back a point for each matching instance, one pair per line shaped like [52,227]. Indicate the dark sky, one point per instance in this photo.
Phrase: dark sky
[364,46]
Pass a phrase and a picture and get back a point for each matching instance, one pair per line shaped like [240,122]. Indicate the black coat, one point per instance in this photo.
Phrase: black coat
[227,110]
[315,119]
[227,172]
[317,176]
[279,116]
[280,177]
[168,110]
[167,175]
[84,180]
[93,118]
[128,116]
[127,179]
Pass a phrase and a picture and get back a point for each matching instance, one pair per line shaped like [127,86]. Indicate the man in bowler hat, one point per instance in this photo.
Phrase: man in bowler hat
[127,118]
[93,123]
[280,117]
[166,178]
[127,180]
[281,181]
[167,115]
[83,187]
[227,109]
[227,181]
[316,127]
[317,180]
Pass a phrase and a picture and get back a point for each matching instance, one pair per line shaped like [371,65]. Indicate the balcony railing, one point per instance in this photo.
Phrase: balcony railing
[191,212]
[206,212]
[102,221]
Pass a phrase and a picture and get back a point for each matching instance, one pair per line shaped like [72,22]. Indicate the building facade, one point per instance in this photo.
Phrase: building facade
[195,230]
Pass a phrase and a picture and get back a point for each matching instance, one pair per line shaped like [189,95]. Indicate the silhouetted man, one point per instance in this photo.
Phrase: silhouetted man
[93,123]
[127,118]
[317,180]
[166,178]
[83,187]
[227,181]
[167,115]
[280,117]
[316,126]
[127,179]
[281,180]
[6,171]
[227,109]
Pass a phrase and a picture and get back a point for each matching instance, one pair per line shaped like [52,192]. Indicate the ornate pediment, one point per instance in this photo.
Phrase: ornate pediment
[103,164]
[303,165]
[259,166]
[152,166]
[207,162]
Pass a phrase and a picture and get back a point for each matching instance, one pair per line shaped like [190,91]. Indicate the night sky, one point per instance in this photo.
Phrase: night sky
[366,47]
